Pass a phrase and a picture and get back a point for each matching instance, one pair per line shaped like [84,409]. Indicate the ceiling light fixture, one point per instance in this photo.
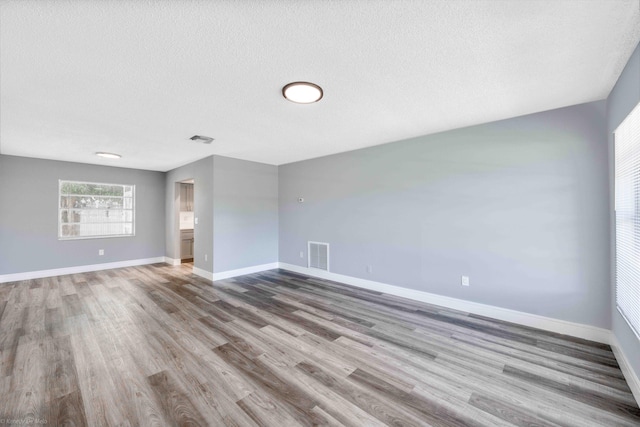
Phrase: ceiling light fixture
[302,92]
[201,138]
[108,155]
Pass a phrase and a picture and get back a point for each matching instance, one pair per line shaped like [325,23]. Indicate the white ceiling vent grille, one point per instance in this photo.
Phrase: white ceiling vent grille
[318,255]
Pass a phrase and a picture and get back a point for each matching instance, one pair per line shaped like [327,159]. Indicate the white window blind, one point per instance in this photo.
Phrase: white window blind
[92,210]
[627,207]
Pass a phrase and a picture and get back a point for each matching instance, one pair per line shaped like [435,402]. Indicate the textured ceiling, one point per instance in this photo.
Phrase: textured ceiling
[140,77]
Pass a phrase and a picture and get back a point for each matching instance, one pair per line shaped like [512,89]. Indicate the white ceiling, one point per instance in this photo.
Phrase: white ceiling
[140,77]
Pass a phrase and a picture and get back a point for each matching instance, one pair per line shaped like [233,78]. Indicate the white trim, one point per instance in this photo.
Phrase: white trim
[172,261]
[628,372]
[202,273]
[242,271]
[533,320]
[77,269]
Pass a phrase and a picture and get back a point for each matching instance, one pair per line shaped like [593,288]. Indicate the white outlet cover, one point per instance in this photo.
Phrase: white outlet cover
[464,280]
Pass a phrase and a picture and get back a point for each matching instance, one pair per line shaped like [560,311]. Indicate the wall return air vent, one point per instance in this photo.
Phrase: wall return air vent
[318,255]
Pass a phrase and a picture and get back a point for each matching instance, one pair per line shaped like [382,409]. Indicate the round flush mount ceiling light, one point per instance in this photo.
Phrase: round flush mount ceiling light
[302,92]
[108,155]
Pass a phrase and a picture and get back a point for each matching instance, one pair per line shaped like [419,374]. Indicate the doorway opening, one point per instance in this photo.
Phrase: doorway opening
[186,222]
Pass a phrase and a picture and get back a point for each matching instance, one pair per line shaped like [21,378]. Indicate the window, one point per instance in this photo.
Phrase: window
[91,210]
[627,206]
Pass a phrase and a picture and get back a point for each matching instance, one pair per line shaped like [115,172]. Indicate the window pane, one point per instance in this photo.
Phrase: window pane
[96,216]
[81,188]
[70,230]
[94,202]
[68,202]
[69,216]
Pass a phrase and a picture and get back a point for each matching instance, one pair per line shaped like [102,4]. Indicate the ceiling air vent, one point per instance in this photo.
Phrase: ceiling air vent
[201,138]
[318,255]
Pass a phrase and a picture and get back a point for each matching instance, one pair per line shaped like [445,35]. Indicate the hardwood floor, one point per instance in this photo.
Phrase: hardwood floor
[156,345]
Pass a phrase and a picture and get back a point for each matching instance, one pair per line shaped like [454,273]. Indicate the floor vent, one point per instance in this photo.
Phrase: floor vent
[318,255]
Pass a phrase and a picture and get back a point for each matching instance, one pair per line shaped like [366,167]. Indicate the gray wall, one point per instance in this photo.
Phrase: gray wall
[623,98]
[242,196]
[520,205]
[29,216]
[202,172]
[245,211]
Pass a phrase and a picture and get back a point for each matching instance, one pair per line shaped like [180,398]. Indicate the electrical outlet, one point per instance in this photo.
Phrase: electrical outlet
[369,269]
[100,252]
[195,220]
[206,257]
[301,254]
[464,281]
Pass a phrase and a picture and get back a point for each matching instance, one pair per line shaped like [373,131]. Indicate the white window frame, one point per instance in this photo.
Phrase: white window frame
[60,209]
[627,259]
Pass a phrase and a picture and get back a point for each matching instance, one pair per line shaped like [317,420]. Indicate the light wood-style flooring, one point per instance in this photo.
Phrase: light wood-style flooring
[157,345]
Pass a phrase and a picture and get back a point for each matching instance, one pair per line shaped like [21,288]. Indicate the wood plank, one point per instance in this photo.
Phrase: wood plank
[297,403]
[67,410]
[367,400]
[513,415]
[174,401]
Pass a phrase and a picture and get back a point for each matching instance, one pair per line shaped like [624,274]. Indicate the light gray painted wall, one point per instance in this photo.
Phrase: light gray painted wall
[29,216]
[622,99]
[202,172]
[245,211]
[520,205]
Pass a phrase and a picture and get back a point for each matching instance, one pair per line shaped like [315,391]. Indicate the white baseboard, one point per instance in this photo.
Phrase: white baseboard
[77,269]
[172,261]
[629,374]
[242,271]
[533,320]
[202,273]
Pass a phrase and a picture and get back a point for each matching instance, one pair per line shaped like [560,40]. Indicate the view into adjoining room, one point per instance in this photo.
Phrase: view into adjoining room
[187,221]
